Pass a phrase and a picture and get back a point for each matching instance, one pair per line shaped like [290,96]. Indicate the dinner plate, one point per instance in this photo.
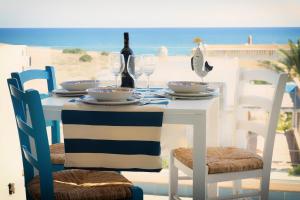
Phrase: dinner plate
[66,93]
[69,95]
[110,93]
[187,86]
[191,98]
[209,92]
[63,91]
[93,101]
[80,85]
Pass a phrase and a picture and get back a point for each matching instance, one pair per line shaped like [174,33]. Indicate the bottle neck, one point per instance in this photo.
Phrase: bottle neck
[126,43]
[126,39]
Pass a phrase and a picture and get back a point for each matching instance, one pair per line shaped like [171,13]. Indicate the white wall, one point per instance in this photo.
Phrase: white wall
[11,59]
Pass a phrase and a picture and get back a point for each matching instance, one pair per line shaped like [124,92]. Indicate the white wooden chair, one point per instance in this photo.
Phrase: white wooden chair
[229,163]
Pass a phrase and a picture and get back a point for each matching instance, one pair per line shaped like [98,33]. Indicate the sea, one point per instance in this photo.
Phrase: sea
[179,41]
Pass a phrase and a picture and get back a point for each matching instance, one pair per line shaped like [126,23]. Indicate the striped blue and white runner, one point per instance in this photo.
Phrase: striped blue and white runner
[125,138]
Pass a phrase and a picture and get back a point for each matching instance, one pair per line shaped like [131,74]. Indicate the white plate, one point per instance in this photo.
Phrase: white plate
[80,85]
[209,92]
[187,86]
[63,91]
[110,93]
[191,98]
[91,100]
[69,95]
[66,93]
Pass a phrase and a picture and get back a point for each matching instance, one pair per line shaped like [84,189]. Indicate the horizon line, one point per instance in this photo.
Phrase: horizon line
[150,27]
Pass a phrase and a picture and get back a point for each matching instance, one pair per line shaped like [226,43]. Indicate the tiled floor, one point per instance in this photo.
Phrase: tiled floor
[282,186]
[273,196]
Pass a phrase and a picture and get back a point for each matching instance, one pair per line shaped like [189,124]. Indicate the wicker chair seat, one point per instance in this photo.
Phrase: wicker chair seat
[57,153]
[85,185]
[222,159]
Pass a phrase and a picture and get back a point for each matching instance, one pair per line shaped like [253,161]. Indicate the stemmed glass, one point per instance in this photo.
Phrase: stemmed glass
[135,67]
[117,64]
[149,67]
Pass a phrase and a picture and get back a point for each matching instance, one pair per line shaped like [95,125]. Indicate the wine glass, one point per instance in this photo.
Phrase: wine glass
[135,66]
[117,64]
[149,67]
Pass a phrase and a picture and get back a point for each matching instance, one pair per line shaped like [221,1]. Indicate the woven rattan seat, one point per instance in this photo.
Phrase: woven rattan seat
[223,159]
[57,153]
[85,185]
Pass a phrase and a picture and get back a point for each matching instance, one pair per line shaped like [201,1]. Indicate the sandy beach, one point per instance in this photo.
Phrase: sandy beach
[68,66]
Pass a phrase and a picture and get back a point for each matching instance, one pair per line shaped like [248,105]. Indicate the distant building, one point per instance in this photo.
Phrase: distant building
[250,39]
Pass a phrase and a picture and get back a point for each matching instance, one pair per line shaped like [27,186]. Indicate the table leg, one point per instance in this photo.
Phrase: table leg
[213,139]
[199,158]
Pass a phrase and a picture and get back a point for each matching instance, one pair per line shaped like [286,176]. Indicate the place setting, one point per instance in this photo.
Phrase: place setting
[192,90]
[109,96]
[189,90]
[75,88]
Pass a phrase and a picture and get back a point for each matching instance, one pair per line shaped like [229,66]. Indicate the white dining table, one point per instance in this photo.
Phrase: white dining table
[203,115]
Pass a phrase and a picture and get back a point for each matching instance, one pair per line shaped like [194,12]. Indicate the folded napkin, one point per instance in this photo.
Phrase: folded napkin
[122,138]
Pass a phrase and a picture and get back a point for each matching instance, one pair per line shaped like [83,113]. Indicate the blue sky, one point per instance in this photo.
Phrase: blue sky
[149,13]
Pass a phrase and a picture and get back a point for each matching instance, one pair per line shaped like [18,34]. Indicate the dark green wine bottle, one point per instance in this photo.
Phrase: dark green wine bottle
[127,80]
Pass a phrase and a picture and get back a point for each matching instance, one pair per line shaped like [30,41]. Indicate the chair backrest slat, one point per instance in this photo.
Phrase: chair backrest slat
[34,74]
[30,158]
[256,101]
[47,74]
[19,95]
[260,75]
[24,127]
[253,126]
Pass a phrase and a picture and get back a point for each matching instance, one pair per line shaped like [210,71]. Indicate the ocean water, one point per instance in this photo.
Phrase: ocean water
[143,40]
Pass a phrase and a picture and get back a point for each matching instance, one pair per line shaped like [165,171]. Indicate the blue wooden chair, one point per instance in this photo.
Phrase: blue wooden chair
[56,148]
[49,75]
[64,184]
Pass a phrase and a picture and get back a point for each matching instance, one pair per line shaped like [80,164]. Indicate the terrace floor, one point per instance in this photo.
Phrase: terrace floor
[155,185]
[273,196]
